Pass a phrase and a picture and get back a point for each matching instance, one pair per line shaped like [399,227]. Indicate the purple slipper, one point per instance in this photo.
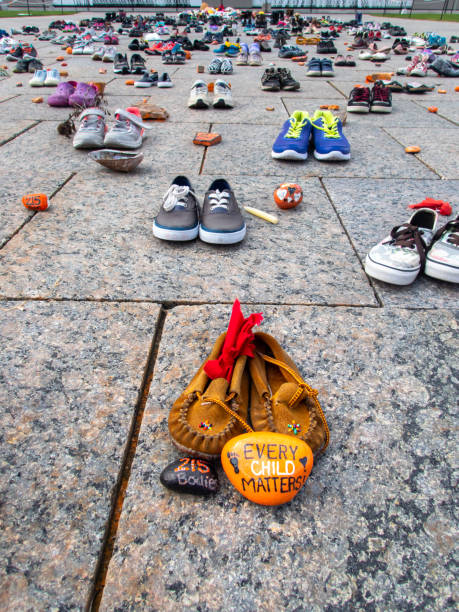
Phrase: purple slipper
[63,91]
[84,95]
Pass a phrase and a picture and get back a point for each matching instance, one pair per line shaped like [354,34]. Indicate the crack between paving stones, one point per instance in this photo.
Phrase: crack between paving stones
[124,474]
[12,98]
[204,155]
[336,88]
[370,281]
[414,155]
[4,142]
[439,114]
[29,219]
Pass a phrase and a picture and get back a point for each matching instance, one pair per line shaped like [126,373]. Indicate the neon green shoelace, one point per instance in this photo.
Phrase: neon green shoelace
[295,128]
[330,129]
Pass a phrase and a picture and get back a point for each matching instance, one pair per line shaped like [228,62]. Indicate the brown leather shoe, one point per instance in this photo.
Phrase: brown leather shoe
[211,412]
[280,399]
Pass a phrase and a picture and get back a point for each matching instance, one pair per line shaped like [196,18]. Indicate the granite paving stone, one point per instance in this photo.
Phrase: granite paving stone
[370,209]
[439,153]
[446,109]
[373,153]
[36,264]
[392,448]
[69,384]
[9,128]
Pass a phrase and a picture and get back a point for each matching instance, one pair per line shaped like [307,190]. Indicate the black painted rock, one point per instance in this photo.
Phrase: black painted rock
[188,475]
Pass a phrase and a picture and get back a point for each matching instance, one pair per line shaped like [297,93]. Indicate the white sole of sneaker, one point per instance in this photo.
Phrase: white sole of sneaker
[221,237]
[389,275]
[332,156]
[199,103]
[164,85]
[358,109]
[441,271]
[314,73]
[289,154]
[381,109]
[329,74]
[164,233]
[140,84]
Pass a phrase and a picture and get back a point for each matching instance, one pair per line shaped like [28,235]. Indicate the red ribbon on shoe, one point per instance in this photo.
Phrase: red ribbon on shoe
[444,208]
[239,341]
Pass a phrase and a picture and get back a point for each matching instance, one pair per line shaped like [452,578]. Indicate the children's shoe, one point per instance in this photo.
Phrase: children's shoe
[210,412]
[121,64]
[221,219]
[442,260]
[21,66]
[38,79]
[84,95]
[359,100]
[330,144]
[381,98]
[109,55]
[222,95]
[326,67]
[270,80]
[255,58]
[226,66]
[52,78]
[137,64]
[214,66]
[243,57]
[199,96]
[281,401]
[91,131]
[314,67]
[62,94]
[128,130]
[178,218]
[293,140]
[98,54]
[148,80]
[287,82]
[400,257]
[164,81]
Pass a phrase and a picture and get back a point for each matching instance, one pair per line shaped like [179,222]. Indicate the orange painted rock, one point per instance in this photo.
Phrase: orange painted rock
[442,91]
[38,100]
[432,109]
[129,82]
[63,73]
[60,58]
[69,50]
[102,71]
[270,108]
[35,201]
[288,195]
[267,468]
[412,149]
[456,88]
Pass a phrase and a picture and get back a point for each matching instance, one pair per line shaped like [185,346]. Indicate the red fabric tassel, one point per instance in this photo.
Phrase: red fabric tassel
[444,208]
[238,341]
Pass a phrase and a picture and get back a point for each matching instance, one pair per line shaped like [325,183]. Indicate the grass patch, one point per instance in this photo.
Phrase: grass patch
[423,16]
[20,13]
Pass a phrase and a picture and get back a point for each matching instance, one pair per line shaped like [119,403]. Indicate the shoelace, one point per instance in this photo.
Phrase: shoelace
[453,227]
[380,93]
[176,194]
[361,94]
[121,124]
[219,199]
[330,129]
[295,128]
[407,236]
[92,122]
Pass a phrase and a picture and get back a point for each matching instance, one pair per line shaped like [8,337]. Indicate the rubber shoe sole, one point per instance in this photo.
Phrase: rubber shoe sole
[176,235]
[221,237]
[394,276]
[357,109]
[441,271]
[289,154]
[332,156]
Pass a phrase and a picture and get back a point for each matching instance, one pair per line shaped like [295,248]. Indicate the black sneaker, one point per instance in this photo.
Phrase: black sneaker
[137,64]
[35,64]
[120,64]
[22,65]
[134,45]
[359,100]
[165,80]
[287,82]
[270,81]
[221,219]
[148,79]
[178,217]
[381,98]
[326,46]
[15,54]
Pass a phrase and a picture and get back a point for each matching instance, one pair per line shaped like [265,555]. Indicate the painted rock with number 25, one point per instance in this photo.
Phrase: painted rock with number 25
[268,468]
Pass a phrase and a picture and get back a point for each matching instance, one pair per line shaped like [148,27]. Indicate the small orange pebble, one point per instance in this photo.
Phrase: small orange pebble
[442,91]
[18,84]
[37,100]
[412,149]
[432,109]
[64,64]
[210,86]
[153,71]
[333,107]
[188,54]
[345,44]
[35,201]
[63,73]
[60,58]
[69,51]
[324,106]
[129,82]
[145,100]
[5,67]
[456,88]
[102,70]
[270,108]
[300,63]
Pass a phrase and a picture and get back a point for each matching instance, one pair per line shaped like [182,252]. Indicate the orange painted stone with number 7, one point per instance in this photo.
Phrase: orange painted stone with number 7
[35,201]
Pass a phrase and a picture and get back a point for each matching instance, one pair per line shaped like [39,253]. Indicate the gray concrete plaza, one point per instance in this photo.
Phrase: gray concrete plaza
[103,326]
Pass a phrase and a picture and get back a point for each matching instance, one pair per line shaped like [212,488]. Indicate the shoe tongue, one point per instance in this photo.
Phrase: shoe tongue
[284,394]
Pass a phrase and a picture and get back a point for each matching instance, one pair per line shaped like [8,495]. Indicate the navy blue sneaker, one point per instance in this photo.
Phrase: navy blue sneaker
[330,144]
[293,141]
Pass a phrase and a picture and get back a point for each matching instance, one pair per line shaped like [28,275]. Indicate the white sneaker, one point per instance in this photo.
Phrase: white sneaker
[88,49]
[38,79]
[442,259]
[128,131]
[98,53]
[399,258]
[109,55]
[52,78]
[199,96]
[365,54]
[222,95]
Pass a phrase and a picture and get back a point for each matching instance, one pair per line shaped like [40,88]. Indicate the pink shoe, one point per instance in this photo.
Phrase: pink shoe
[62,94]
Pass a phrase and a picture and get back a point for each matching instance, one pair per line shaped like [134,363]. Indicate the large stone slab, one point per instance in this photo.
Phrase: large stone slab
[306,258]
[9,129]
[374,526]
[373,153]
[381,205]
[69,383]
[447,109]
[442,158]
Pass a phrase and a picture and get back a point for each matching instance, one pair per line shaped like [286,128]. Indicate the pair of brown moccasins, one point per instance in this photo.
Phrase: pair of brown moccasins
[210,412]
